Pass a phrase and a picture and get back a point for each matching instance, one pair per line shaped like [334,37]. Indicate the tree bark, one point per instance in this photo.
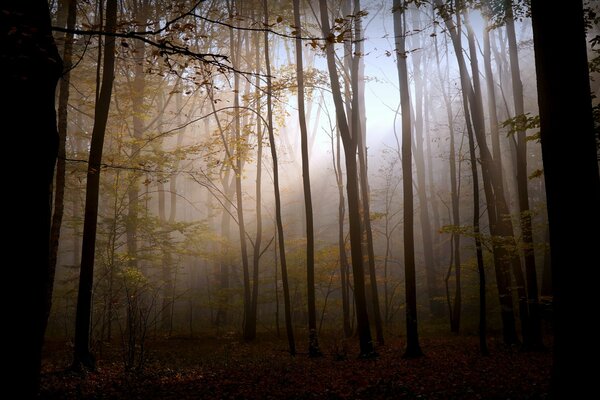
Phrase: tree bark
[359,132]
[493,187]
[532,334]
[29,63]
[413,349]
[568,150]
[313,341]
[280,236]
[82,355]
[352,191]
[59,183]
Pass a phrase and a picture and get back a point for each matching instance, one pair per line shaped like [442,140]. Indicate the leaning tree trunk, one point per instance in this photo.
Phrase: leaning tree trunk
[352,191]
[413,349]
[493,187]
[313,341]
[82,355]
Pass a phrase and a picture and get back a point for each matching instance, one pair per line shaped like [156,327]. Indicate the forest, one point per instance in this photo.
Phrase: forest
[301,199]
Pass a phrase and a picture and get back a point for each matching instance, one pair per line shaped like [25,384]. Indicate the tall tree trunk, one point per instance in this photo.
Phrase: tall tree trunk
[359,132]
[235,45]
[564,97]
[138,88]
[426,234]
[532,334]
[349,143]
[59,183]
[313,341]
[413,349]
[491,92]
[343,258]
[258,195]
[503,227]
[456,306]
[82,354]
[30,65]
[280,237]
[493,187]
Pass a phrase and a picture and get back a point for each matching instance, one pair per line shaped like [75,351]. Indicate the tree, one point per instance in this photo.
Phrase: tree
[359,132]
[419,156]
[413,349]
[568,150]
[59,194]
[29,63]
[313,341]
[352,192]
[280,237]
[82,356]
[533,337]
[497,208]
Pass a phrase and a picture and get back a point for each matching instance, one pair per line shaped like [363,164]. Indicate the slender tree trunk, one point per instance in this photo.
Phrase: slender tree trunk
[503,226]
[82,355]
[258,195]
[426,234]
[343,258]
[491,92]
[59,183]
[280,237]
[413,349]
[359,132]
[454,309]
[533,337]
[568,151]
[493,187]
[137,105]
[364,331]
[313,342]
[235,44]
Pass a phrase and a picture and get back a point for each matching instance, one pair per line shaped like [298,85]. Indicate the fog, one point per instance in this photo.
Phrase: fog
[185,122]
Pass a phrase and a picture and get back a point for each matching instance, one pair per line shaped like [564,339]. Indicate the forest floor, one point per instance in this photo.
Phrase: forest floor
[227,368]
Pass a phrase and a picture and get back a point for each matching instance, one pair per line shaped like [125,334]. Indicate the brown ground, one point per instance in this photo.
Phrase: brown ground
[226,368]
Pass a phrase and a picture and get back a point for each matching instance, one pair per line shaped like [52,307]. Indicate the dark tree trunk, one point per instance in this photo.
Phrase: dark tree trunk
[258,193]
[352,190]
[532,338]
[313,342]
[359,132]
[282,256]
[493,187]
[59,183]
[343,258]
[454,307]
[433,292]
[82,355]
[249,326]
[568,150]
[502,227]
[29,63]
[413,349]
